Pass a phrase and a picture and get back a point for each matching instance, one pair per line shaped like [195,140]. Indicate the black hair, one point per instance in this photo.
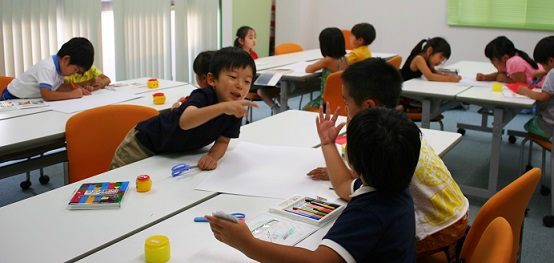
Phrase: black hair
[439,45]
[229,58]
[241,34]
[501,46]
[201,64]
[331,43]
[365,31]
[375,79]
[383,148]
[80,52]
[544,50]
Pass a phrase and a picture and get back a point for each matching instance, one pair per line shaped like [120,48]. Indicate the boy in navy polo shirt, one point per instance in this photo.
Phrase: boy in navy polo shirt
[378,225]
[210,115]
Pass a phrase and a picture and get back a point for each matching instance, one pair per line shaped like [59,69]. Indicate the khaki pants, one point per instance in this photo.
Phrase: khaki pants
[129,151]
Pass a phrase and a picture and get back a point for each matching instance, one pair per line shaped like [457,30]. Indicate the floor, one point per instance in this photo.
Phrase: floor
[468,163]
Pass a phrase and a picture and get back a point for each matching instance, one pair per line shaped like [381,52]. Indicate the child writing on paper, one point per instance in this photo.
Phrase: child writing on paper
[201,68]
[441,209]
[210,115]
[543,123]
[331,44]
[378,225]
[363,34]
[424,58]
[92,79]
[46,78]
[513,65]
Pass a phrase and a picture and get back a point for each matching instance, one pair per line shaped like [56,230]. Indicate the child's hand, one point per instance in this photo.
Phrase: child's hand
[207,163]
[480,77]
[456,78]
[319,173]
[522,90]
[238,108]
[325,124]
[232,234]
[89,88]
[503,77]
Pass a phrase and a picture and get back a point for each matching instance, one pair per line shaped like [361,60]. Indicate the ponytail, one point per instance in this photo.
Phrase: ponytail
[241,34]
[417,49]
[439,45]
[527,58]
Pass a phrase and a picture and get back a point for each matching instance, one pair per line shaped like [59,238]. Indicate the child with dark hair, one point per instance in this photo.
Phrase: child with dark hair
[201,67]
[210,115]
[441,209]
[246,40]
[378,223]
[424,58]
[46,78]
[543,123]
[513,65]
[363,34]
[331,44]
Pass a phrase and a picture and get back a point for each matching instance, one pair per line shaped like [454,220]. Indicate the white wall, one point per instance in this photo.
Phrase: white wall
[400,24]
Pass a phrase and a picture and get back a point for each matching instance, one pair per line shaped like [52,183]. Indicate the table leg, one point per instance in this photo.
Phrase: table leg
[496,144]
[288,85]
[426,113]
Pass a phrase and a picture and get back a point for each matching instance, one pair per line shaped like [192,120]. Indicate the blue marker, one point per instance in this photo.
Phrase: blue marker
[534,82]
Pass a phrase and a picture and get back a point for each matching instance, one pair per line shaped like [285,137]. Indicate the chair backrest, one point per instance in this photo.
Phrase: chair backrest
[333,93]
[286,48]
[395,61]
[347,33]
[496,243]
[92,136]
[4,81]
[509,203]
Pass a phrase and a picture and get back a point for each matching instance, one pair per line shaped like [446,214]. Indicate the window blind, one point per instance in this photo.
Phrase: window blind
[518,14]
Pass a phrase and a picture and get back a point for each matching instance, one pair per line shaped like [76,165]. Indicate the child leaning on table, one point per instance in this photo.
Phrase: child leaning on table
[441,209]
[331,44]
[424,58]
[210,115]
[513,65]
[92,79]
[46,78]
[363,34]
[543,123]
[378,224]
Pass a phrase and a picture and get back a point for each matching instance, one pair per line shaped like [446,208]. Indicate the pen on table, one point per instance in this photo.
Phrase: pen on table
[303,214]
[309,210]
[321,203]
[319,208]
[534,82]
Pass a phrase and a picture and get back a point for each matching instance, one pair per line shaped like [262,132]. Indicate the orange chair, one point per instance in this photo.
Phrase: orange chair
[395,61]
[496,243]
[4,81]
[92,136]
[347,33]
[546,145]
[333,94]
[509,203]
[286,48]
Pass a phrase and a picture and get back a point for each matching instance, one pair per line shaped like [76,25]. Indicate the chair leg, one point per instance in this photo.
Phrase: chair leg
[441,125]
[521,152]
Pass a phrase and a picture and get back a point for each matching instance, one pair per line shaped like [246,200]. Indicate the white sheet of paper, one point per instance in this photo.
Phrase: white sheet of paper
[97,98]
[295,67]
[267,171]
[471,81]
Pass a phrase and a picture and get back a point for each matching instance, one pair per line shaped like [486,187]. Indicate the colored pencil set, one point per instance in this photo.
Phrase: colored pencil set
[312,208]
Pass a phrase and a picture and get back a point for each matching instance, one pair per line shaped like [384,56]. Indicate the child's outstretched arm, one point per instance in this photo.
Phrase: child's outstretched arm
[238,235]
[322,63]
[341,177]
[538,96]
[193,117]
[209,161]
[66,91]
[420,63]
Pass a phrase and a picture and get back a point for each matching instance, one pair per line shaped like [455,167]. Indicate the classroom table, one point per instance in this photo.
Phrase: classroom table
[26,137]
[42,229]
[435,97]
[289,78]
[48,229]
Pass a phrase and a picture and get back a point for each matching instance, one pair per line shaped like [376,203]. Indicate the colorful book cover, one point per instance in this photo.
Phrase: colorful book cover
[99,195]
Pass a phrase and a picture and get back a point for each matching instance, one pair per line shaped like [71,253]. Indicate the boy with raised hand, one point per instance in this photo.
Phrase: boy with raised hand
[378,224]
[210,115]
[363,34]
[441,209]
[46,78]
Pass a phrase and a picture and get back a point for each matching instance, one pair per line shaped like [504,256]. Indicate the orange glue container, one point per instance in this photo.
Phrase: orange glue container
[144,183]
[156,249]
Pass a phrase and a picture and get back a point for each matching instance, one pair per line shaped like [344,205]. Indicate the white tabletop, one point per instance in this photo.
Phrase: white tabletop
[421,88]
[472,67]
[484,96]
[43,224]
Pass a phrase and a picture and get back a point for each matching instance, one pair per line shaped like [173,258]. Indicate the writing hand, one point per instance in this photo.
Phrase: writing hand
[230,233]
[480,77]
